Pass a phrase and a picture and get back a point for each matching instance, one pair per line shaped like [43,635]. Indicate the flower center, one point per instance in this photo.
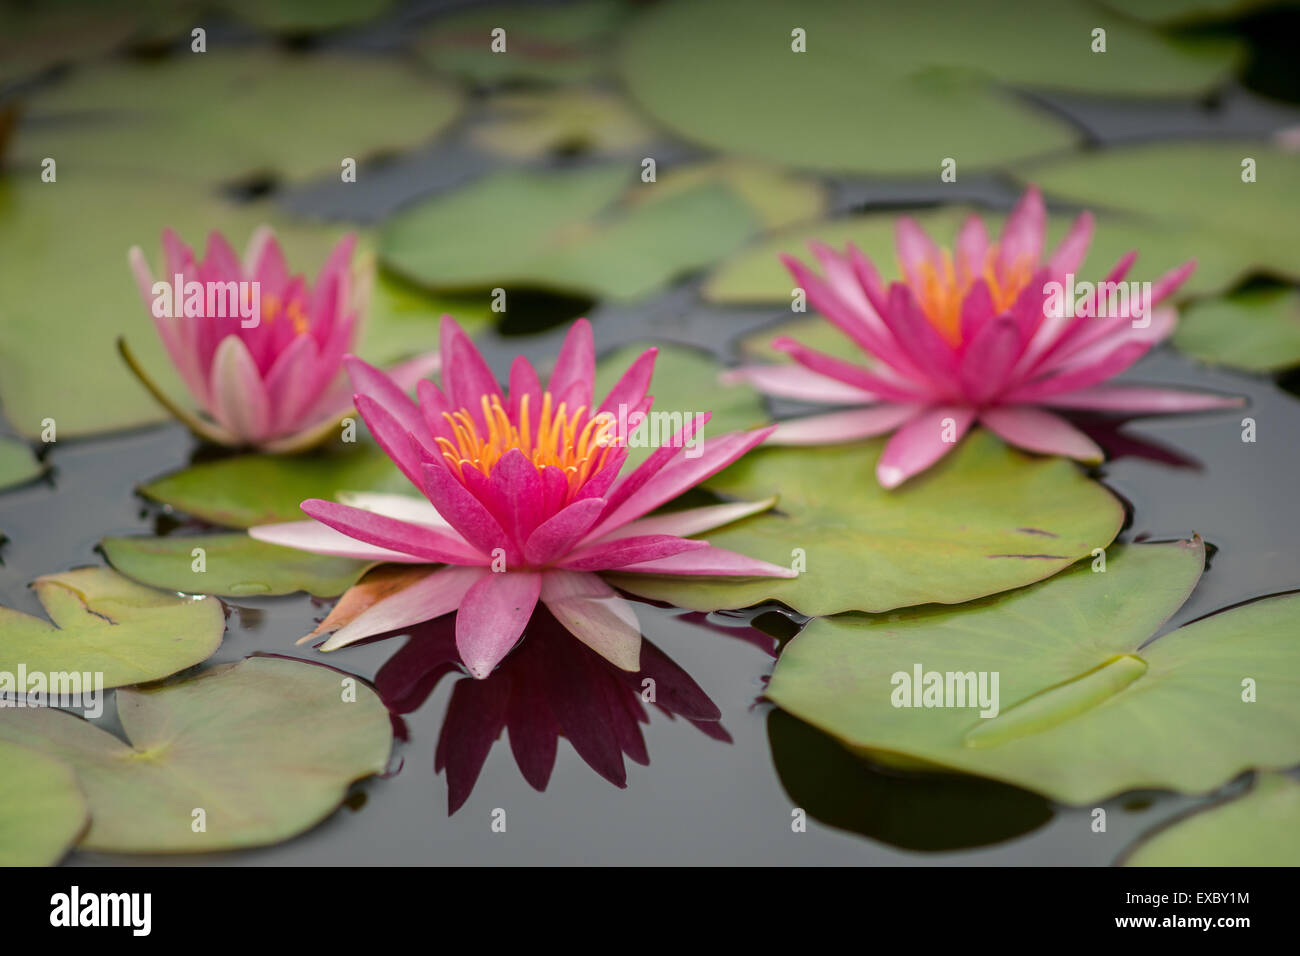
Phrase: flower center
[941,292]
[561,440]
[296,316]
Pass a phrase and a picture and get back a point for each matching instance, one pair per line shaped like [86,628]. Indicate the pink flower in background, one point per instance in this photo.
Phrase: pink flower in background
[525,499]
[260,350]
[980,336]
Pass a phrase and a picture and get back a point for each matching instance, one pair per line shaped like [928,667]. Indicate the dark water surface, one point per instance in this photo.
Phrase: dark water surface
[703,800]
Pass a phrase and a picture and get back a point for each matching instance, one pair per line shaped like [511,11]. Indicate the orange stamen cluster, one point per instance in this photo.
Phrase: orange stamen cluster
[942,291]
[297,317]
[561,439]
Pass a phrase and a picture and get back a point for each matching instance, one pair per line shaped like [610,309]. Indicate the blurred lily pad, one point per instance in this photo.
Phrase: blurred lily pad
[564,231]
[42,810]
[266,748]
[17,463]
[528,125]
[557,42]
[233,565]
[983,520]
[305,16]
[1086,705]
[226,115]
[262,489]
[1256,330]
[1259,828]
[779,197]
[102,623]
[685,383]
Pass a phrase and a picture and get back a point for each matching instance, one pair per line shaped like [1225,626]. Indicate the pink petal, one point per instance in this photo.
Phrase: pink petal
[406,508]
[371,383]
[1022,236]
[465,513]
[575,369]
[1036,430]
[919,444]
[407,374]
[987,361]
[848,425]
[466,377]
[632,482]
[1140,399]
[421,541]
[396,442]
[972,248]
[691,521]
[182,353]
[287,383]
[977,310]
[560,533]
[1073,249]
[520,487]
[438,594]
[711,562]
[632,386]
[595,614]
[239,399]
[492,615]
[797,382]
[317,538]
[524,381]
[918,338]
[846,372]
[617,552]
[1075,377]
[916,250]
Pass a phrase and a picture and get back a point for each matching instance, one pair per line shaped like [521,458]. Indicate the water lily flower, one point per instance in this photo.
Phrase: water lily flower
[259,349]
[991,334]
[525,500]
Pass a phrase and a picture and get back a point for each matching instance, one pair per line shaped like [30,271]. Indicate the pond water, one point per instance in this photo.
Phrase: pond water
[703,799]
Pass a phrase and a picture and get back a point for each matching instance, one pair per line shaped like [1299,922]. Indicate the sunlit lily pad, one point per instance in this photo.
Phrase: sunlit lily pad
[42,810]
[1256,330]
[983,520]
[1086,707]
[563,231]
[1259,828]
[528,125]
[265,748]
[17,463]
[233,565]
[103,623]
[226,115]
[556,42]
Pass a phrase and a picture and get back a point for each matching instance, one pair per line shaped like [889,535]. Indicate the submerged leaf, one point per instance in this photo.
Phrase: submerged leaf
[266,748]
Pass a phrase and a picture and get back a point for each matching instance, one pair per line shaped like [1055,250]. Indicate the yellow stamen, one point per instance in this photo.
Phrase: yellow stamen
[942,291]
[574,443]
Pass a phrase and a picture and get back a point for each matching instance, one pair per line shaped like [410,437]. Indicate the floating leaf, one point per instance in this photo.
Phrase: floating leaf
[233,565]
[685,383]
[1248,226]
[983,520]
[1086,707]
[560,233]
[778,197]
[105,624]
[263,489]
[266,748]
[1256,330]
[42,811]
[225,115]
[544,43]
[18,464]
[1259,828]
[580,120]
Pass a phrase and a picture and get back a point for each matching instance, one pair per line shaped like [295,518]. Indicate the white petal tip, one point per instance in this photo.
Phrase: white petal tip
[889,477]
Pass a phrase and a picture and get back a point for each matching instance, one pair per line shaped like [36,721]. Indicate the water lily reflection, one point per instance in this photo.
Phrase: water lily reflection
[550,687]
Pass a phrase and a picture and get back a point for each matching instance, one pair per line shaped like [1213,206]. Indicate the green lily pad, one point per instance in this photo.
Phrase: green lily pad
[104,624]
[756,274]
[529,125]
[1249,225]
[403,319]
[1259,828]
[685,383]
[234,565]
[224,115]
[42,810]
[1087,708]
[18,464]
[562,231]
[544,43]
[266,748]
[1256,330]
[779,198]
[984,519]
[262,489]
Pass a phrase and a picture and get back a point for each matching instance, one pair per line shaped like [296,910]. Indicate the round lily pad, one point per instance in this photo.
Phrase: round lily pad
[1087,705]
[232,565]
[564,231]
[42,810]
[243,755]
[1256,330]
[18,464]
[1259,828]
[103,624]
[985,519]
[529,125]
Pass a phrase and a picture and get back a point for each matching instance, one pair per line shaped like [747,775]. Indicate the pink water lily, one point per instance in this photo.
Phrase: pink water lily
[524,500]
[259,349]
[988,335]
